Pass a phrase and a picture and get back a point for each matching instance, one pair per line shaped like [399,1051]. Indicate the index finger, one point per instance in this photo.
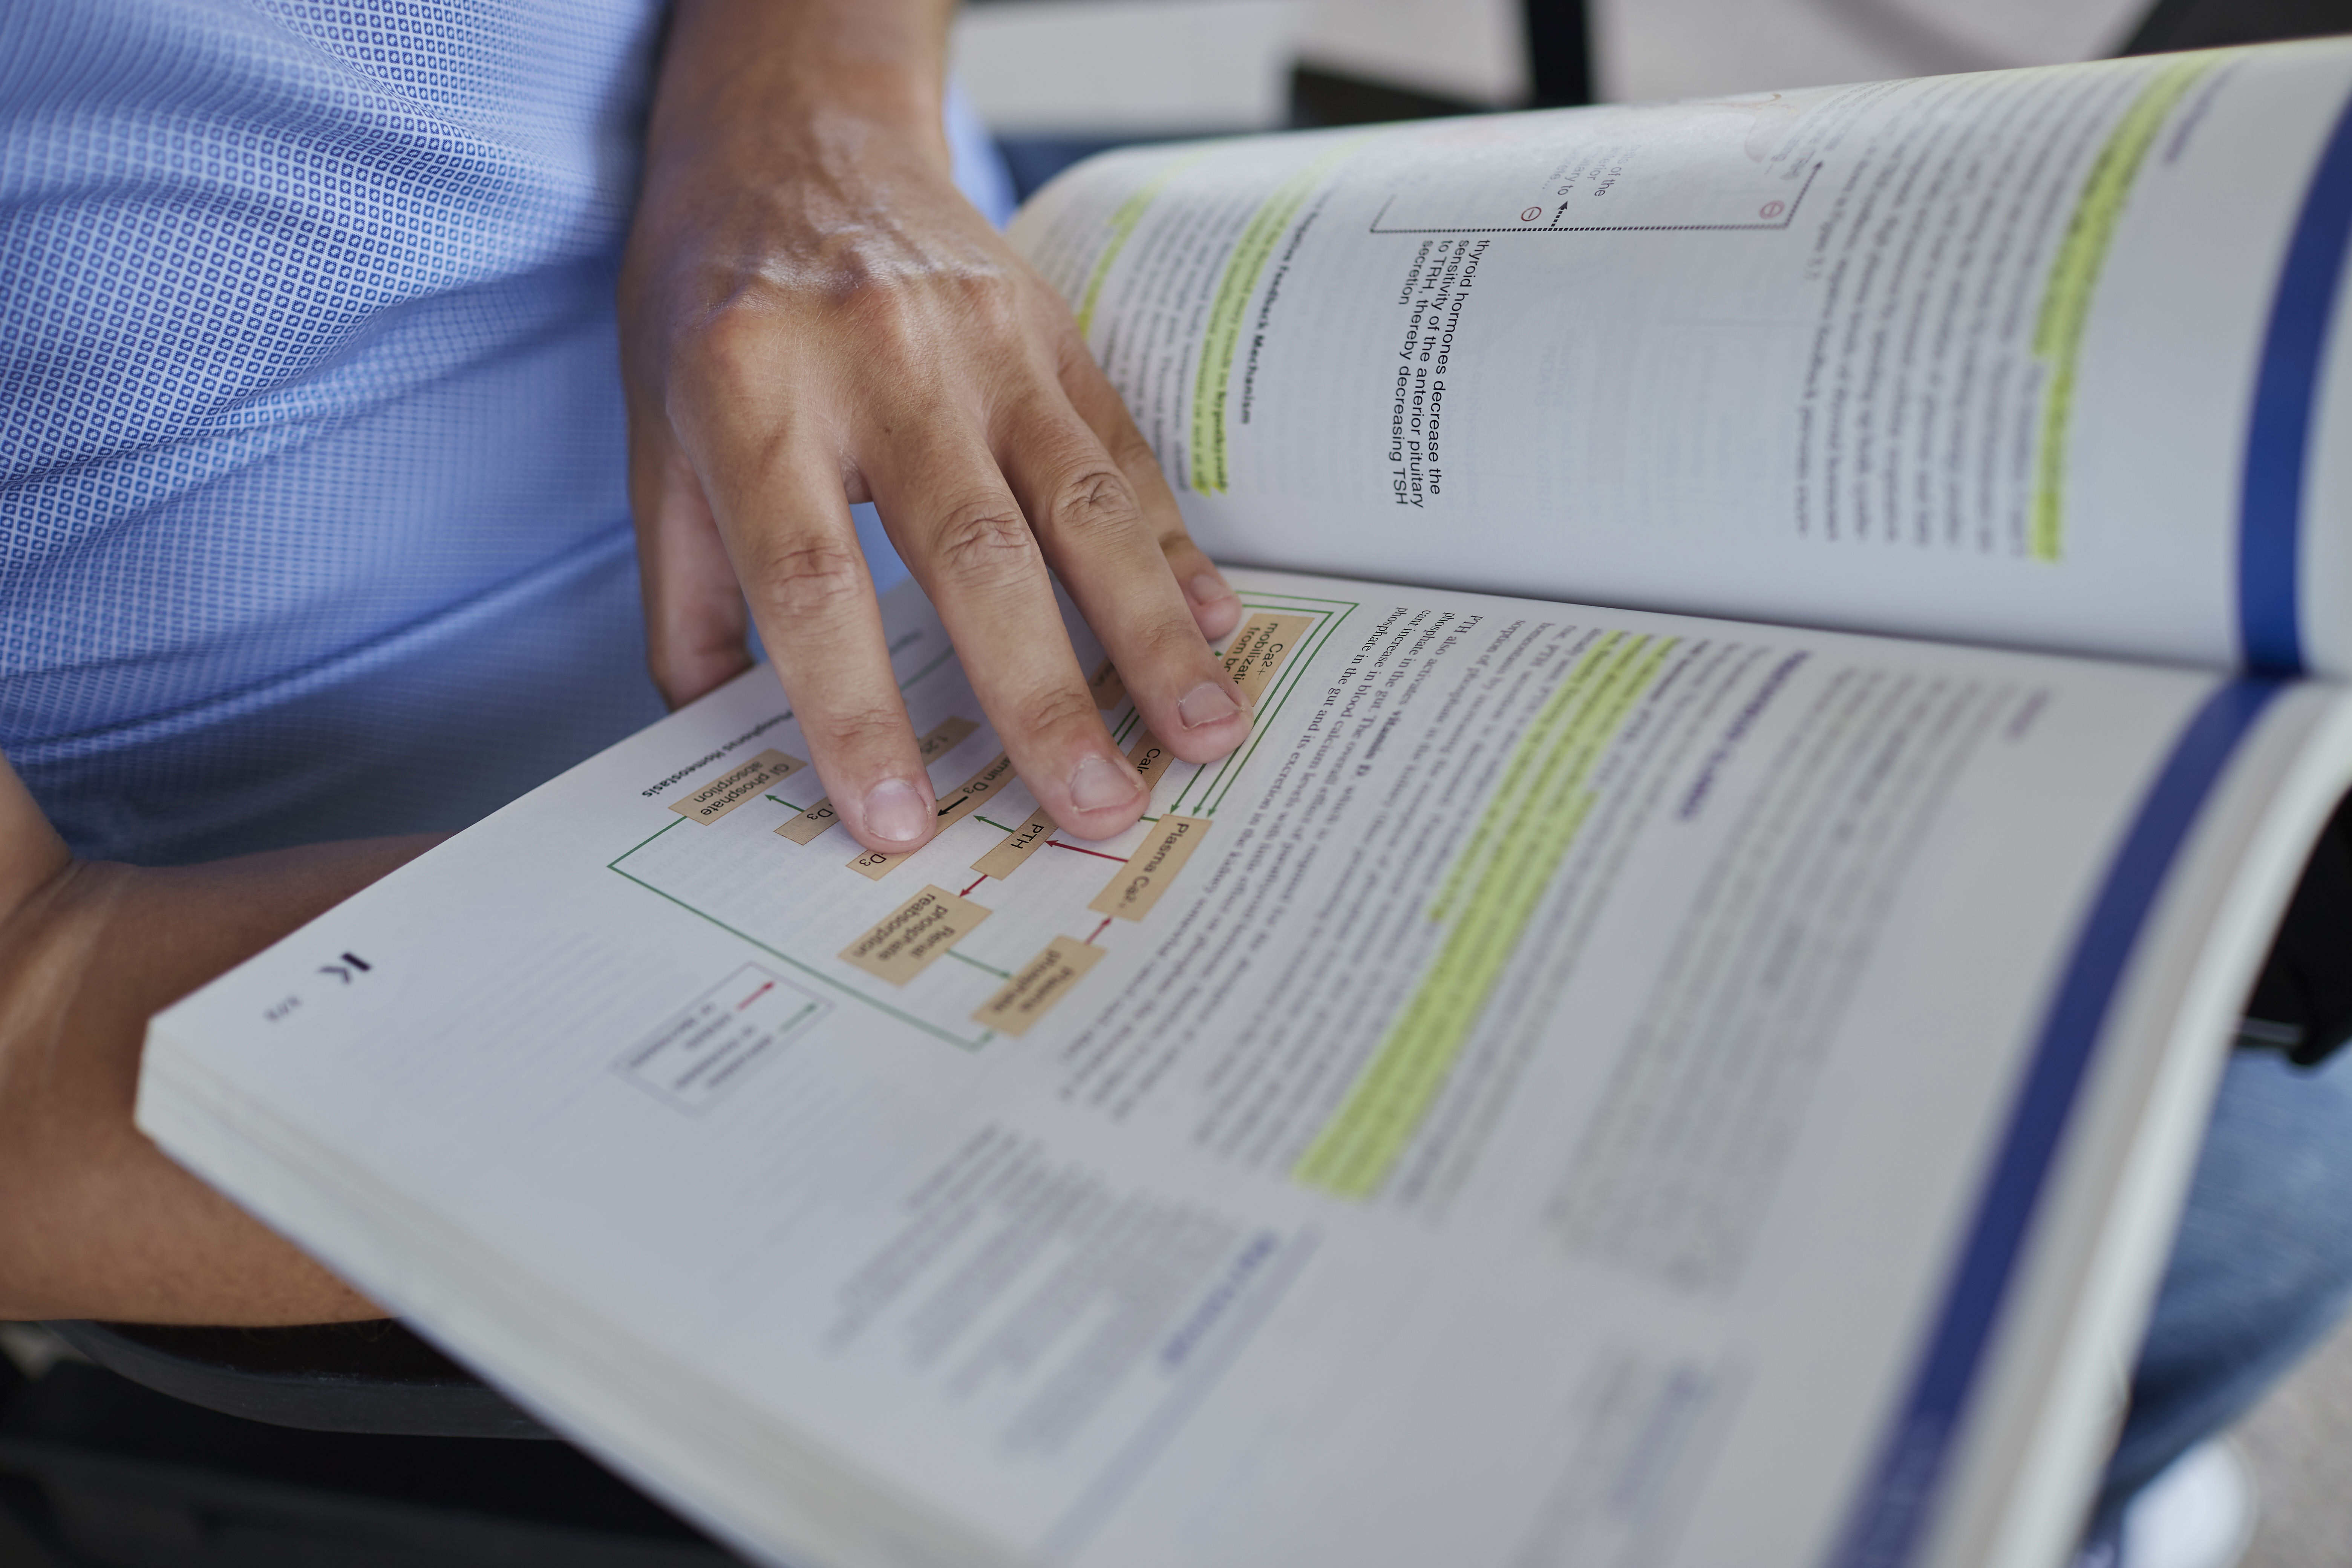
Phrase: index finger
[1215,607]
[788,531]
[968,541]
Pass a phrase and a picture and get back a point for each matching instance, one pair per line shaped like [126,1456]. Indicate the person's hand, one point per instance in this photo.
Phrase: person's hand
[811,315]
[95,1222]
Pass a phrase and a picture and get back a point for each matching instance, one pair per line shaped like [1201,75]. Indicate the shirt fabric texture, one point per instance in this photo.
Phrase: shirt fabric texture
[313,519]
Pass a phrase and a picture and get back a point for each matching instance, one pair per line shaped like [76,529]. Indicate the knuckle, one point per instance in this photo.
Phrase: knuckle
[1048,710]
[913,313]
[993,301]
[860,733]
[726,344]
[1172,643]
[723,365]
[809,579]
[1091,501]
[985,541]
[972,293]
[889,318]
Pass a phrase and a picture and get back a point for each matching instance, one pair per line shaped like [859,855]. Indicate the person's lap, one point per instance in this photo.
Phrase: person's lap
[2262,1267]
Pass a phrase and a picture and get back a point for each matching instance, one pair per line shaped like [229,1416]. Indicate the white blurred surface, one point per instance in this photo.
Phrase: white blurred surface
[1120,66]
[1692,49]
[2298,1441]
[1148,66]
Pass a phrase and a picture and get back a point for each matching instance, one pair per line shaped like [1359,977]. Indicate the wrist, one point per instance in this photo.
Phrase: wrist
[790,78]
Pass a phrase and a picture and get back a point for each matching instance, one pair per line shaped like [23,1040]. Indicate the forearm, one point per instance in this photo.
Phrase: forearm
[94,1221]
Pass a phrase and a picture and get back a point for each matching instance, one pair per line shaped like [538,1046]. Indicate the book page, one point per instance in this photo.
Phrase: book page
[2027,357]
[1521,1108]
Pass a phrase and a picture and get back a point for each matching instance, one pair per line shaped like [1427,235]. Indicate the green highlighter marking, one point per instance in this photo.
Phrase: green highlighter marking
[1490,895]
[1230,305]
[1121,224]
[2074,276]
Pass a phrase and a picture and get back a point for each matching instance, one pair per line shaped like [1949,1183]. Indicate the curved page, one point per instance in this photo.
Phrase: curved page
[2026,357]
[1539,1102]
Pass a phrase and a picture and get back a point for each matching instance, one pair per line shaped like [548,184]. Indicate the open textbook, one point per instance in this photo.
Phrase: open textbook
[1582,1085]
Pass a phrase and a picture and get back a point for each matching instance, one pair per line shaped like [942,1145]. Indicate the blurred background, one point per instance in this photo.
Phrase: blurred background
[1059,78]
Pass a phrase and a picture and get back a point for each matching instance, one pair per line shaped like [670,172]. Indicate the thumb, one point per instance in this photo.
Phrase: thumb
[695,618]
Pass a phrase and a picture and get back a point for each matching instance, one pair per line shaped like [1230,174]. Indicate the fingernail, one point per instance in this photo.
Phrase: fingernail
[1098,782]
[1206,704]
[894,811]
[1208,588]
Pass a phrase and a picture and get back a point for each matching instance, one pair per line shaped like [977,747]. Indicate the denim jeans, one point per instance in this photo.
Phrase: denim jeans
[2262,1269]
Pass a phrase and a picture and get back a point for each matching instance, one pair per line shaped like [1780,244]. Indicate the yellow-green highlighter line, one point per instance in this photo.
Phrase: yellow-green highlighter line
[1121,224]
[1230,305]
[2074,276]
[1521,840]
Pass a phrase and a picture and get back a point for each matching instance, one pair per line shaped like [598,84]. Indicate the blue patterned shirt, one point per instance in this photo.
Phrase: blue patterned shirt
[312,515]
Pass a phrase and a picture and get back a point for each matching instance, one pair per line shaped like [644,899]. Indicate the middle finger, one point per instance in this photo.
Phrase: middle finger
[967,542]
[1095,535]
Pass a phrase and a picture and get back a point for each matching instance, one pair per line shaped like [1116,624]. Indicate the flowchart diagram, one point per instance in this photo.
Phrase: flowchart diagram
[992,924]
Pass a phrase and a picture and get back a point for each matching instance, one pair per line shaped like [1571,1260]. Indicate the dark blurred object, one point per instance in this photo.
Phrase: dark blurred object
[334,1378]
[1319,97]
[1560,54]
[98,1472]
[2302,1003]
[2210,23]
[1560,75]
